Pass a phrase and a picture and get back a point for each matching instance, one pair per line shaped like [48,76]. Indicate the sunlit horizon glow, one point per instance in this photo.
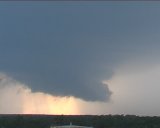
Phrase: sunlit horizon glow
[23,101]
[47,104]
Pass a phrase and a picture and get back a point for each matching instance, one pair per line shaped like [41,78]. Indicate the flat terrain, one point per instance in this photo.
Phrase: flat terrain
[96,121]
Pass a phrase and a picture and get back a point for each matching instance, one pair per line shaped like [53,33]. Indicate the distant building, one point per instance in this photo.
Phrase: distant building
[70,126]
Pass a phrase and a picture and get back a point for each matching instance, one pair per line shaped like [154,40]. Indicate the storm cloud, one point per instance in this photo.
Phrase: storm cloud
[69,50]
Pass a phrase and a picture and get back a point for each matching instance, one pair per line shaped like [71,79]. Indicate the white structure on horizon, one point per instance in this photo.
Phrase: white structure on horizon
[70,126]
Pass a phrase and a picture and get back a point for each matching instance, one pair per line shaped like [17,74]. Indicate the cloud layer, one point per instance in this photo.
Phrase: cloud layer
[69,50]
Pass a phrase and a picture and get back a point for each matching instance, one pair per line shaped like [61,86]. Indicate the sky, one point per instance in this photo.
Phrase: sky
[80,57]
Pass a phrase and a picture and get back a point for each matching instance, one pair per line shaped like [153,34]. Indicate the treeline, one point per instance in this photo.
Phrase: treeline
[101,121]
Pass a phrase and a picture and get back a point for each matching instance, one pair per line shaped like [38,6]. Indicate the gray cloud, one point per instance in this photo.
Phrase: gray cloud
[65,73]
[69,51]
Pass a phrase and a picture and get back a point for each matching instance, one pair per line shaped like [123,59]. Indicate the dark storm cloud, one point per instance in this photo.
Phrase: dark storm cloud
[68,50]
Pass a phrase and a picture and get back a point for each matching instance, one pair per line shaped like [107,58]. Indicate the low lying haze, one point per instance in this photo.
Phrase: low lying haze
[80,55]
